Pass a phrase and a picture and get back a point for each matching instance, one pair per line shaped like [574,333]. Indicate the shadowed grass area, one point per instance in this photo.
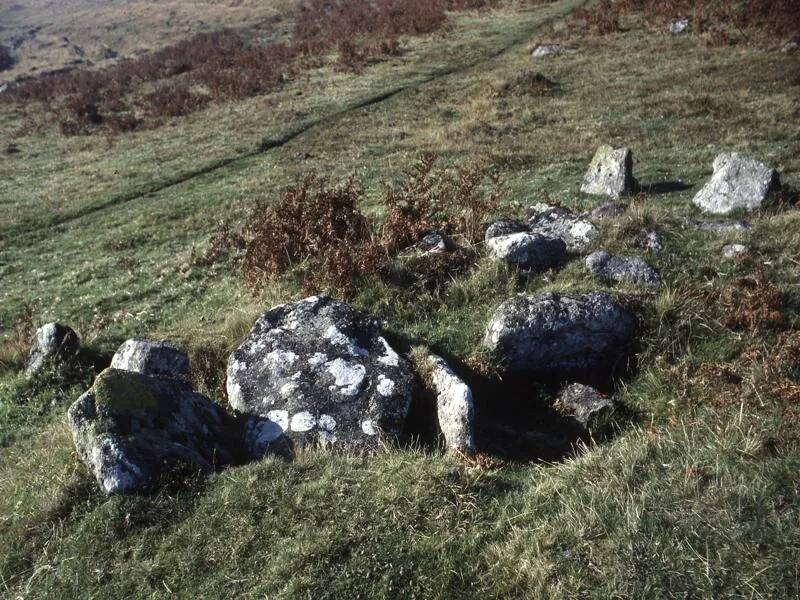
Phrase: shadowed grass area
[701,509]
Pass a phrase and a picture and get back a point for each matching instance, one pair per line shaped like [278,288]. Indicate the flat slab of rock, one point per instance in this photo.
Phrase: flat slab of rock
[554,221]
[738,183]
[323,373]
[584,403]
[543,50]
[579,337]
[158,358]
[531,252]
[454,406]
[610,173]
[622,269]
[52,342]
[131,429]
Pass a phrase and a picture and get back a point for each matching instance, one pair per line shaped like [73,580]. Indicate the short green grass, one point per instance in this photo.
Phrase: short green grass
[697,496]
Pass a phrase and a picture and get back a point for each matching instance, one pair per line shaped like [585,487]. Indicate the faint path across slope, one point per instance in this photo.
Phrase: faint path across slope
[549,13]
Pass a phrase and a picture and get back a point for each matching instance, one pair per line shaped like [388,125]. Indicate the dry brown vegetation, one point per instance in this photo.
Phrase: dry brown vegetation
[320,228]
[753,302]
[224,66]
[725,21]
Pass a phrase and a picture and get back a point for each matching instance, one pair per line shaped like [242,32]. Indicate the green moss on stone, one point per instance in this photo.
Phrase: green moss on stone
[123,391]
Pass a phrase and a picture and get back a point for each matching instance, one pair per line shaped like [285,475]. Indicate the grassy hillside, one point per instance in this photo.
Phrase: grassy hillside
[697,493]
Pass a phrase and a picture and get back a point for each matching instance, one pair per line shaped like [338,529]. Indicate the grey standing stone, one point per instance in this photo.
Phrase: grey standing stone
[324,373]
[530,252]
[610,173]
[622,269]
[454,404]
[738,183]
[53,342]
[159,358]
[564,336]
[131,429]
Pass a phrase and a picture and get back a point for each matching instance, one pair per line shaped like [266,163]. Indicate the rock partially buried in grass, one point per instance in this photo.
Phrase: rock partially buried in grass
[529,252]
[158,358]
[543,50]
[132,429]
[53,342]
[454,406]
[622,269]
[577,337]
[738,183]
[610,173]
[650,241]
[323,373]
[719,226]
[731,251]
[584,403]
[679,25]
[555,221]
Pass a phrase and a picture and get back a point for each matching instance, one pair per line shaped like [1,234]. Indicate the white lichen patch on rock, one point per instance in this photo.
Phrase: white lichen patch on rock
[369,427]
[347,377]
[385,386]
[303,421]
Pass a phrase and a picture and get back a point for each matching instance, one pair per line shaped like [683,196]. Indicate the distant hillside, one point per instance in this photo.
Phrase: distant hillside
[46,35]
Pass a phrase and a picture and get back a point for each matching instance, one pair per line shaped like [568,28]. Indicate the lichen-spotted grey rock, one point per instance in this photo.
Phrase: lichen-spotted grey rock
[131,429]
[529,252]
[738,183]
[577,337]
[52,342]
[556,221]
[455,407]
[622,269]
[320,372]
[158,358]
[610,173]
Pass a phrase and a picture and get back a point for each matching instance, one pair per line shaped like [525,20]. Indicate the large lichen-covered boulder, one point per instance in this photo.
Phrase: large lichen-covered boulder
[131,429]
[610,173]
[555,221]
[738,183]
[455,407]
[577,337]
[530,252]
[622,269]
[52,342]
[323,373]
[158,358]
